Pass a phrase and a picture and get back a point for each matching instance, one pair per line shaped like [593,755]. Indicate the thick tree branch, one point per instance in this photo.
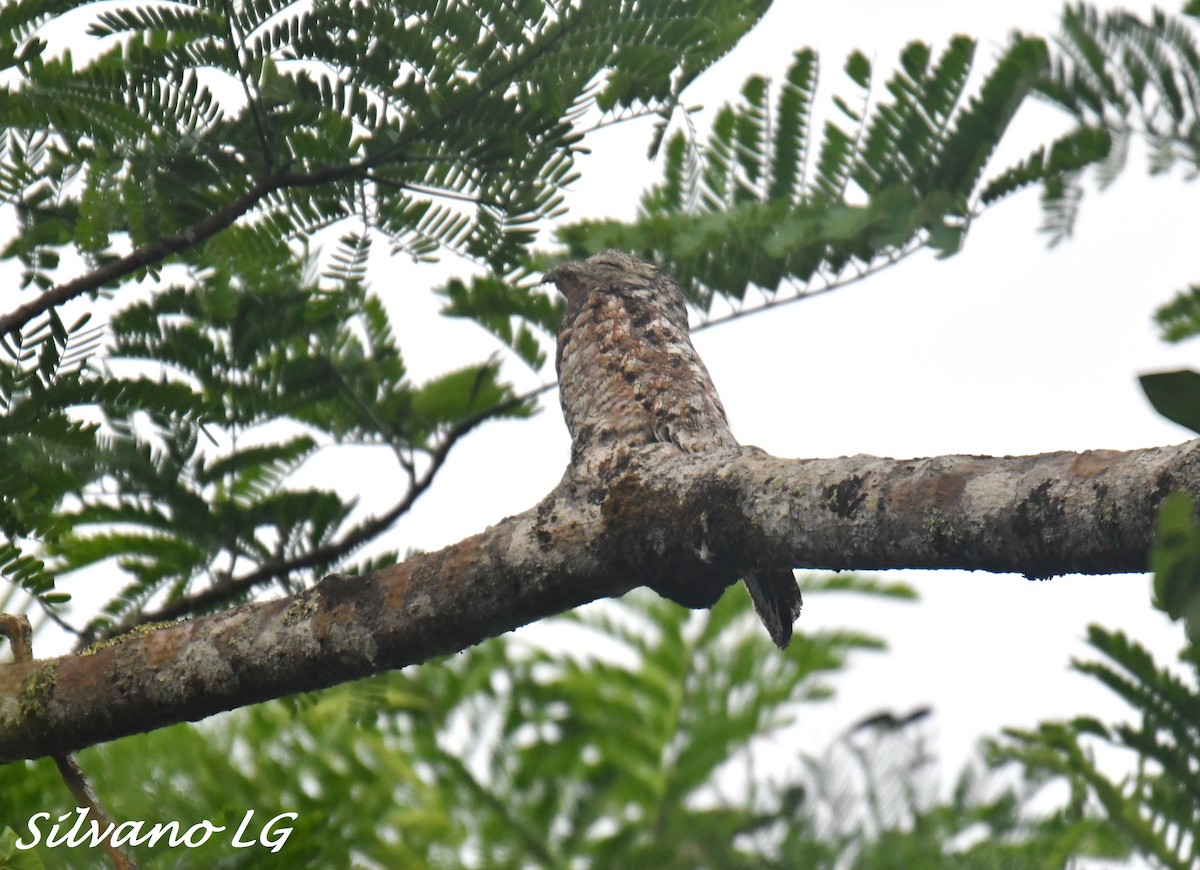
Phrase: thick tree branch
[684,524]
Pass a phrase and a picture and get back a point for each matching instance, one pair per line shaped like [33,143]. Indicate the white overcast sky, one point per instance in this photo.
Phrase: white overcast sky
[1007,348]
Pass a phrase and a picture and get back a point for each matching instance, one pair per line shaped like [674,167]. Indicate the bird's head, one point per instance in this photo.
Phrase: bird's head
[608,269]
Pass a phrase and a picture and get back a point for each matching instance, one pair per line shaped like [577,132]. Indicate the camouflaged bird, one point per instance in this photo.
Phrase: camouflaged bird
[629,376]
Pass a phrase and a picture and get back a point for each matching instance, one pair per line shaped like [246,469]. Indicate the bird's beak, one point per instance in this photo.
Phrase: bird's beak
[559,276]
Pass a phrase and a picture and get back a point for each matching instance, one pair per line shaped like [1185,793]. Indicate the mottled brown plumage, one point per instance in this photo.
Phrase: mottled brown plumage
[628,376]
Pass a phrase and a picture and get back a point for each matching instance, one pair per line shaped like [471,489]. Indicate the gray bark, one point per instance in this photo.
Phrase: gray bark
[686,525]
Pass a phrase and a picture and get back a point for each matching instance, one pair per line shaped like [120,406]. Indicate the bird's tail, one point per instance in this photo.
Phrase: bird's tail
[776,597]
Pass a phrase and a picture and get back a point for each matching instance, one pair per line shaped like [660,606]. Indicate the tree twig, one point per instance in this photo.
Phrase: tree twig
[232,587]
[17,629]
[236,44]
[141,257]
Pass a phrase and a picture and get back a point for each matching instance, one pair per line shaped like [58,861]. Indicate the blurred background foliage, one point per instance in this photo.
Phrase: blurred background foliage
[666,748]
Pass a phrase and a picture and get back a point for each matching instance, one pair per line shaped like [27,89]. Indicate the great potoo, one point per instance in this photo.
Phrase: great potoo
[629,376]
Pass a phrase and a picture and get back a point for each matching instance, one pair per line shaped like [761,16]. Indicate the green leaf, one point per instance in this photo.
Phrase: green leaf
[456,396]
[1175,560]
[1175,395]
[1127,76]
[495,303]
[1180,318]
[14,858]
[858,68]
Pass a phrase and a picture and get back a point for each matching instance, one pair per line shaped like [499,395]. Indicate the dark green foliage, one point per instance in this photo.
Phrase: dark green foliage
[768,200]
[1175,558]
[1156,808]
[1116,75]
[183,487]
[915,156]
[45,452]
[508,310]
[647,754]
[1180,318]
[440,124]
[748,207]
[1176,563]
[765,200]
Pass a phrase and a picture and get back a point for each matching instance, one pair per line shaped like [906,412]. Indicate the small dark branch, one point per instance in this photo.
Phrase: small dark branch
[429,191]
[146,255]
[407,462]
[56,619]
[534,841]
[253,98]
[605,123]
[530,395]
[233,587]
[835,284]
[17,629]
[368,414]
[161,248]
[85,796]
